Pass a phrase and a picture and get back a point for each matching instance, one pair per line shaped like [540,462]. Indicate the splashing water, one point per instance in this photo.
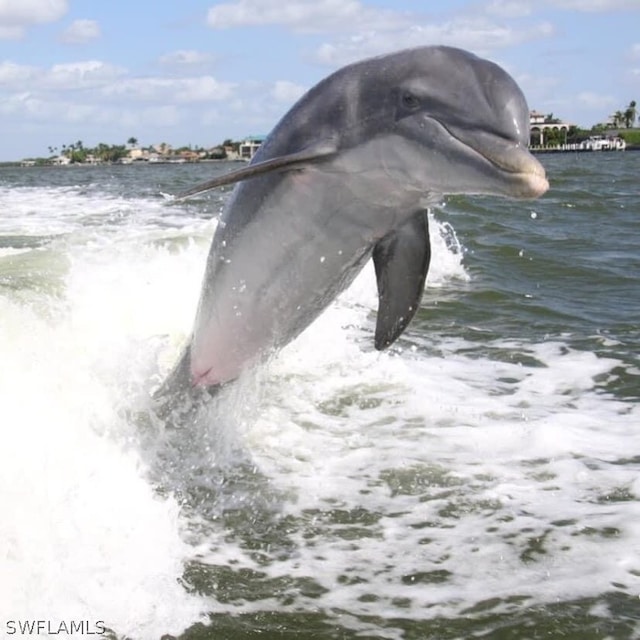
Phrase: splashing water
[483,470]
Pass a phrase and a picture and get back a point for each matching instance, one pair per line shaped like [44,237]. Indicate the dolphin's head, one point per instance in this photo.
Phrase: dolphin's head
[447,122]
[434,120]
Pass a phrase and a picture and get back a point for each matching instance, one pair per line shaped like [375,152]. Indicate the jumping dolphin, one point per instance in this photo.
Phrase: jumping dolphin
[348,174]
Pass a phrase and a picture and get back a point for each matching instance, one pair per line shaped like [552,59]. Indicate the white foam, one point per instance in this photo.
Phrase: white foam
[528,485]
[84,536]
[528,457]
[518,452]
[92,215]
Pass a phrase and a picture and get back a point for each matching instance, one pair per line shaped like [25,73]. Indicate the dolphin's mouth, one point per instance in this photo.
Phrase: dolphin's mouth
[520,164]
[526,176]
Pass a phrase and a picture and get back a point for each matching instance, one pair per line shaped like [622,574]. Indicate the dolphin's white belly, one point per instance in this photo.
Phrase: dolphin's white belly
[305,244]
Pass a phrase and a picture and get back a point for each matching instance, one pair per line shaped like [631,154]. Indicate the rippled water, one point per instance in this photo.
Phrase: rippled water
[481,479]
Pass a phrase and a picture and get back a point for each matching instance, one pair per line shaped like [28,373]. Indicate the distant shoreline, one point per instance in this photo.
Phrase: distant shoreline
[20,164]
[556,150]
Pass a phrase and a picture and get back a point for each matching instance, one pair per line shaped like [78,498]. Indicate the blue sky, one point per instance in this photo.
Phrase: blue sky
[197,71]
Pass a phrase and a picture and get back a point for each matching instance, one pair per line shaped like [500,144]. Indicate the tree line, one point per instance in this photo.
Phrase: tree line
[626,117]
[77,152]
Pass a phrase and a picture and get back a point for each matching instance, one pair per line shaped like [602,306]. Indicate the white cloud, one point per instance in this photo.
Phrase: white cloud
[93,82]
[203,89]
[15,76]
[160,116]
[186,59]
[287,92]
[596,101]
[81,75]
[510,8]
[210,117]
[70,76]
[15,104]
[80,32]
[170,90]
[16,16]
[304,15]
[10,33]
[594,5]
[477,34]
[43,109]
[92,122]
[540,87]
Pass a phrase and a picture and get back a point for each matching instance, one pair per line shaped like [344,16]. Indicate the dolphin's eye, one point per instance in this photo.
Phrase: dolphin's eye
[410,101]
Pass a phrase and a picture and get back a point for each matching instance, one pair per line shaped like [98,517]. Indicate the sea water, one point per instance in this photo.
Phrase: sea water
[479,479]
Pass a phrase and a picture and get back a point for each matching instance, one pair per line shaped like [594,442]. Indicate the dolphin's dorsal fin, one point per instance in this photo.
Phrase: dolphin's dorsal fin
[297,160]
[401,260]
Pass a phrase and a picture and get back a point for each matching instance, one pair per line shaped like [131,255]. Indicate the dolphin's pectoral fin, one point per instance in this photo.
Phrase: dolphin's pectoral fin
[320,150]
[401,260]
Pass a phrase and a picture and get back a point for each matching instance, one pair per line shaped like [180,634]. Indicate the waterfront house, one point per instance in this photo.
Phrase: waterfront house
[249,146]
[61,160]
[540,125]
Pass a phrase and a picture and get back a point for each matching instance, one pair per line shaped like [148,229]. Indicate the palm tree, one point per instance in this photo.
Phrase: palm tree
[617,119]
[102,151]
[629,115]
[132,142]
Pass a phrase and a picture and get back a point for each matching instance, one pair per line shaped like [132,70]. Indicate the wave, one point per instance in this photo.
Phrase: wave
[432,477]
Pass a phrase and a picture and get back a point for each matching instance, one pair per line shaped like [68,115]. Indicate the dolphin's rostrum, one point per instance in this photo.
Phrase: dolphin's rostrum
[347,175]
